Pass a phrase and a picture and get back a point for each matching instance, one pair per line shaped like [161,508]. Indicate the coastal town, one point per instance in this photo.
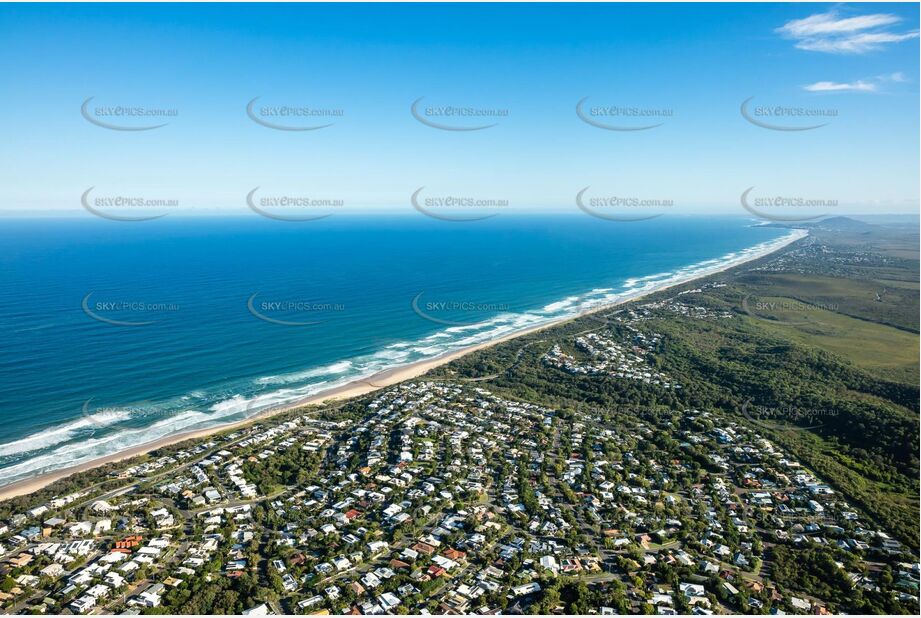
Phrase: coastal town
[443,308]
[444,497]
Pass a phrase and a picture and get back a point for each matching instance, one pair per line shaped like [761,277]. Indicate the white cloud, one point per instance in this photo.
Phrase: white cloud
[828,23]
[898,77]
[857,44]
[871,84]
[827,32]
[858,86]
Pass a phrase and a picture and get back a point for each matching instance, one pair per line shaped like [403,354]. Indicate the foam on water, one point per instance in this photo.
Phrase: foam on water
[300,376]
[68,445]
[65,433]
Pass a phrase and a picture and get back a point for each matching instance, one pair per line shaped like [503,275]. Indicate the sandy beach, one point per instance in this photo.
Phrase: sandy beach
[375,382]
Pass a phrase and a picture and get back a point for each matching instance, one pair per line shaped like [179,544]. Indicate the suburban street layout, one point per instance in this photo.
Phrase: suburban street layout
[460,308]
[441,496]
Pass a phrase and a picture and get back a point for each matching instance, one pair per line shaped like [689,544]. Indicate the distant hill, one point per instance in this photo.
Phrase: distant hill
[840,224]
[830,224]
[855,223]
[912,220]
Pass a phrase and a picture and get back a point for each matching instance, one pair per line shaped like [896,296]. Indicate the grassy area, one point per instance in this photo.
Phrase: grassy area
[887,352]
[827,325]
[887,301]
[846,297]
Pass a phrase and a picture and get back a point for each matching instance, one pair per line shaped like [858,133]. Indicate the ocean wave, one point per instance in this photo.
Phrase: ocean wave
[93,448]
[560,304]
[387,354]
[234,406]
[300,376]
[65,433]
[459,337]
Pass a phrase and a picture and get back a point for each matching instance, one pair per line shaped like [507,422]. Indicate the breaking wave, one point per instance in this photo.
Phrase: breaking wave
[112,431]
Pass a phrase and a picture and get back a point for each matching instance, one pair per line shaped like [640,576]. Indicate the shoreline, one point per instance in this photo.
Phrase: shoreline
[377,381]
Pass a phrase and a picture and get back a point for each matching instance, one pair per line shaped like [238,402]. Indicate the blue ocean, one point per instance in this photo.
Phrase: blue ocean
[117,334]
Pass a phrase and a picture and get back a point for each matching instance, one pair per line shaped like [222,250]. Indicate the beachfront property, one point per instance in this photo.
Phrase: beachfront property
[592,309]
[447,498]
[603,355]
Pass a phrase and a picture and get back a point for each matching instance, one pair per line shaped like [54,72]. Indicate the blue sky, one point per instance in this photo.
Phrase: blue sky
[534,61]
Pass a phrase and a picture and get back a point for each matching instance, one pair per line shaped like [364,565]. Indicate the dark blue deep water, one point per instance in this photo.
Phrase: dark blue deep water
[115,334]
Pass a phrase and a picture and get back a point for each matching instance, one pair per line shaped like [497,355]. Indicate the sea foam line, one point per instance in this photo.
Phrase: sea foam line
[51,437]
[346,371]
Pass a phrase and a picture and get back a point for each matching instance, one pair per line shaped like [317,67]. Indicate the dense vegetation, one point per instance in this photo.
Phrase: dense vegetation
[827,369]
[833,409]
